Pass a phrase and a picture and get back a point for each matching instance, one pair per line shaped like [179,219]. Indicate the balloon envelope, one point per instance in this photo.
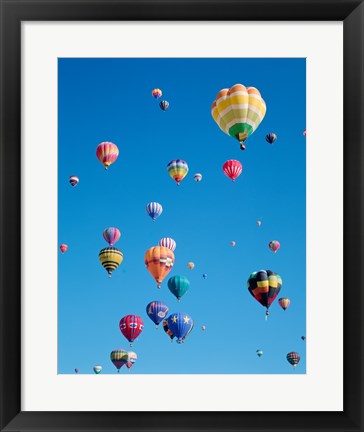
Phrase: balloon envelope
[131,327]
[191,265]
[232,169]
[238,111]
[111,235]
[274,245]
[168,243]
[271,138]
[180,324]
[154,210]
[264,286]
[107,153]
[197,177]
[164,105]
[284,302]
[157,311]
[177,169]
[97,369]
[156,93]
[293,358]
[74,180]
[110,258]
[63,248]
[259,353]
[178,286]
[159,261]
[119,357]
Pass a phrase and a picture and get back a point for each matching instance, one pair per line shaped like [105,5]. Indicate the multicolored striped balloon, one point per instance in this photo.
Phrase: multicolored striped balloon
[157,311]
[154,210]
[63,247]
[97,369]
[178,286]
[168,242]
[271,138]
[74,180]
[159,261]
[111,235]
[274,245]
[156,93]
[164,105]
[131,327]
[107,153]
[119,357]
[293,358]
[232,169]
[264,286]
[110,259]
[238,111]
[177,169]
[197,177]
[284,302]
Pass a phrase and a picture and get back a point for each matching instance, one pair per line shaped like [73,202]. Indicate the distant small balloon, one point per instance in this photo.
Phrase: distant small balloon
[293,358]
[156,93]
[203,328]
[274,245]
[107,153]
[259,353]
[303,338]
[154,210]
[233,243]
[204,276]
[304,133]
[271,138]
[191,265]
[197,177]
[76,370]
[258,223]
[284,302]
[63,248]
[97,369]
[164,105]
[232,169]
[74,180]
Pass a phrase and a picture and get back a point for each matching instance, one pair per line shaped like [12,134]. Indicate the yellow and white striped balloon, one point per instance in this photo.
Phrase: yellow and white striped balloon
[238,111]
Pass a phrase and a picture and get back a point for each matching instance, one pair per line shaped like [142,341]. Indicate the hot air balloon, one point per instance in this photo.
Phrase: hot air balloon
[157,311]
[203,328]
[74,180]
[156,93]
[131,326]
[191,265]
[197,177]
[304,133]
[111,235]
[159,261]
[264,286]
[167,330]
[177,169]
[178,286]
[259,353]
[164,105]
[303,338]
[110,258]
[132,358]
[107,153]
[119,357]
[238,111]
[63,248]
[180,325]
[284,302]
[204,276]
[274,245]
[76,370]
[271,138]
[233,243]
[154,210]
[258,223]
[168,243]
[232,169]
[293,358]
[97,369]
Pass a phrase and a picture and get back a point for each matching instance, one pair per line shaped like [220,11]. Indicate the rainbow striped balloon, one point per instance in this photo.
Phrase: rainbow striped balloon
[293,358]
[177,169]
[107,153]
[284,302]
[238,111]
[156,93]
[111,235]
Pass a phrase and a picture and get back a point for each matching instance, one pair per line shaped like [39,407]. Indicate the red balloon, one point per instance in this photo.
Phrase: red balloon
[63,248]
[232,168]
[131,326]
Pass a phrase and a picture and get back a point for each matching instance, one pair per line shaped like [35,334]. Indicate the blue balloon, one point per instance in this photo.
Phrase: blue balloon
[157,311]
[204,276]
[154,210]
[180,324]
[164,105]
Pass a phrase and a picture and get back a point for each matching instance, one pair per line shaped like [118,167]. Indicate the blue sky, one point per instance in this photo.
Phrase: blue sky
[110,100]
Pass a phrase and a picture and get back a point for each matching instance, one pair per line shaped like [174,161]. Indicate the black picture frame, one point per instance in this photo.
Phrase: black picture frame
[13,12]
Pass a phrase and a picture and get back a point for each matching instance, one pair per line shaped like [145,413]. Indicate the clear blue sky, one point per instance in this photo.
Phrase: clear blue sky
[110,100]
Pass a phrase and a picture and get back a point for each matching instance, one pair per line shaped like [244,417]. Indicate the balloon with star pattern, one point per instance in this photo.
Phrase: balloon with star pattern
[180,325]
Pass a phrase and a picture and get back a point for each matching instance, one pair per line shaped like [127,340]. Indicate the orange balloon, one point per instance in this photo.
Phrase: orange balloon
[159,261]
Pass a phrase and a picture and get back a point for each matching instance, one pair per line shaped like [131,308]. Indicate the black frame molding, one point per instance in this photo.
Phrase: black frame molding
[12,13]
